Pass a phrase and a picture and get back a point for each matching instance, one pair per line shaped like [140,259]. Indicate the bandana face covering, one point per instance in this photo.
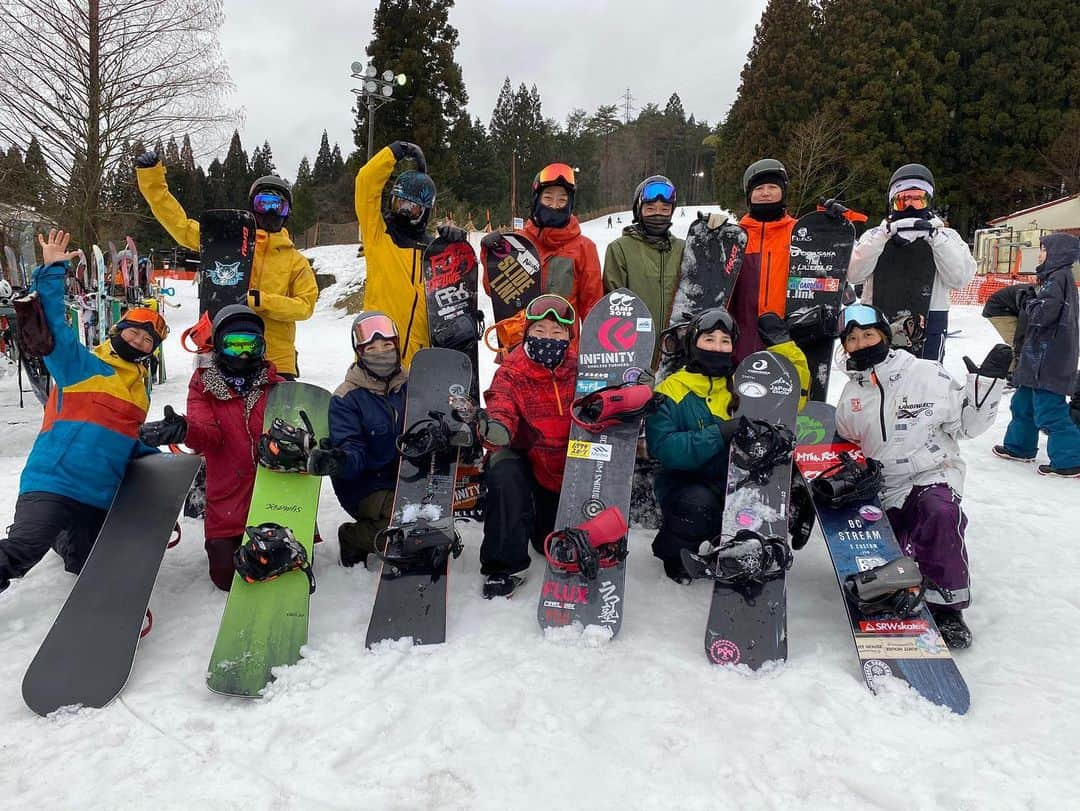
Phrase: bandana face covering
[548,352]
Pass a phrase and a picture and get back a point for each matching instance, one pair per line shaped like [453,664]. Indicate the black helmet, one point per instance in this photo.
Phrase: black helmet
[271,183]
[755,174]
[237,317]
[651,189]
[912,171]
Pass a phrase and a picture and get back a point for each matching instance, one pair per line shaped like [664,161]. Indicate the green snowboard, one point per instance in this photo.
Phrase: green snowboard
[265,624]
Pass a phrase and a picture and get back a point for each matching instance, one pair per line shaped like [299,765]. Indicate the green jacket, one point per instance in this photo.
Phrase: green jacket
[648,267]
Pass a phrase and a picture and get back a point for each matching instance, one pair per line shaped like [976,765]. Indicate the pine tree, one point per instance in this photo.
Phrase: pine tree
[38,180]
[303,172]
[337,164]
[236,173]
[323,173]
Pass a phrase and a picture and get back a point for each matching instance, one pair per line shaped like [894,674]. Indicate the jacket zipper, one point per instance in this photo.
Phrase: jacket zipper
[416,298]
[881,406]
[768,266]
[558,398]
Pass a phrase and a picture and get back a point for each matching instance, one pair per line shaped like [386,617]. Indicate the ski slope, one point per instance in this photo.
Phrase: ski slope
[501,717]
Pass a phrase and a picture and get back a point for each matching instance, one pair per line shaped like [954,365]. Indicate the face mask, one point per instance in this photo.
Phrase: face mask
[380,365]
[548,352]
[231,366]
[551,217]
[767,212]
[709,363]
[271,223]
[862,359]
[656,225]
[127,351]
[910,213]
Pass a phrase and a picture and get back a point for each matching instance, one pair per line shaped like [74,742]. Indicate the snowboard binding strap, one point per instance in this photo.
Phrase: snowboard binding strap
[460,332]
[285,448]
[745,558]
[271,551]
[849,481]
[433,434]
[432,541]
[896,587]
[200,336]
[599,543]
[611,405]
[759,447]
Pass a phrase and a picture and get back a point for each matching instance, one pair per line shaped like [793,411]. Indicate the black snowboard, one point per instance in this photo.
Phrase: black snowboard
[226,250]
[820,252]
[748,622]
[859,537]
[88,653]
[903,283]
[511,275]
[411,598]
[616,346]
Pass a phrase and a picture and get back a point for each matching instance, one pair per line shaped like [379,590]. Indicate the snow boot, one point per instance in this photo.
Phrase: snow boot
[1005,453]
[1062,472]
[501,585]
[953,628]
[675,570]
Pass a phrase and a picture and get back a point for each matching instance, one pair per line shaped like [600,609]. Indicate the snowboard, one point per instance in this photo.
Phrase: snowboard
[710,265]
[859,537]
[615,347]
[455,322]
[747,622]
[265,623]
[820,252]
[512,275]
[411,596]
[903,283]
[226,251]
[87,656]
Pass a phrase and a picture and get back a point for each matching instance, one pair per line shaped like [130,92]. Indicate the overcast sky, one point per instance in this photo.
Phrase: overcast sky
[290,60]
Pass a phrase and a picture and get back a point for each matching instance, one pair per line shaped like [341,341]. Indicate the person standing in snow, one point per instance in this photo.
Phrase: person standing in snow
[569,263]
[282,288]
[911,221]
[90,428]
[1046,372]
[691,431]
[908,413]
[226,404]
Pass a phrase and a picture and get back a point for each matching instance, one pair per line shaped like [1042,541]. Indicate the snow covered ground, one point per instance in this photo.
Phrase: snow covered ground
[499,716]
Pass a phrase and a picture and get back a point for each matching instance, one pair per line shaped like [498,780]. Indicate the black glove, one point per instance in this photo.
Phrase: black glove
[493,242]
[168,431]
[995,364]
[404,149]
[326,461]
[772,329]
[1025,294]
[728,429]
[451,233]
[147,159]
[834,208]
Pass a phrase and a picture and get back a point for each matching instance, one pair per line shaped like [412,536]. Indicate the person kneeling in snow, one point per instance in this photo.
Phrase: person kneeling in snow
[908,413]
[89,431]
[690,433]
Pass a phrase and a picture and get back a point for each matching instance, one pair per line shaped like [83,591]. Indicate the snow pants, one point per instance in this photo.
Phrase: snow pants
[219,555]
[930,527]
[692,512]
[519,512]
[1035,410]
[372,514]
[43,521]
[937,324]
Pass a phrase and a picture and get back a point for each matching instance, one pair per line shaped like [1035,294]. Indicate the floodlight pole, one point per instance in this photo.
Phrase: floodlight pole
[375,91]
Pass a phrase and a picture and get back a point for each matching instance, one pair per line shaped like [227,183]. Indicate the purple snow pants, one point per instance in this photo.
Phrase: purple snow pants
[930,527]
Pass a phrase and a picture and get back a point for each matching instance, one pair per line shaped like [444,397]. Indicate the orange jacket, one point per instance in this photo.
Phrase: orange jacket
[569,264]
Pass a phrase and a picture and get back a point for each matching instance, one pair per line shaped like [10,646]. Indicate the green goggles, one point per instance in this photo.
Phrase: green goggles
[237,344]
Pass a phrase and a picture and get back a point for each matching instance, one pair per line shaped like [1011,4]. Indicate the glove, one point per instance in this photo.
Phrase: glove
[910,229]
[326,461]
[772,329]
[728,429]
[492,432]
[1023,296]
[494,243]
[168,431]
[995,364]
[834,208]
[404,149]
[451,233]
[147,159]
[716,220]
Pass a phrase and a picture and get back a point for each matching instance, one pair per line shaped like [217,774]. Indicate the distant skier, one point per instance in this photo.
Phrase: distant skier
[910,219]
[1046,372]
[282,288]
[609,222]
[689,435]
[908,414]
[89,431]
[226,403]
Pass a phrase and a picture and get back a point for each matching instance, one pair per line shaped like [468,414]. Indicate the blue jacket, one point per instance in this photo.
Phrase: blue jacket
[91,423]
[365,420]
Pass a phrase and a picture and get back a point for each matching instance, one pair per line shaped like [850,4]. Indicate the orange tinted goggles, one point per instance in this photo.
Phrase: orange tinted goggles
[910,199]
[554,172]
[144,315]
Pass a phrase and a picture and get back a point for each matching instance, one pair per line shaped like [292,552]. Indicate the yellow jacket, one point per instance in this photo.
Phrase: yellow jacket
[395,276]
[282,275]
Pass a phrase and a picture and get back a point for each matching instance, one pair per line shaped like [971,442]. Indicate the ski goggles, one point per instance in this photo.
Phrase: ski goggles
[717,318]
[911,198]
[555,173]
[550,304]
[409,208]
[238,344]
[372,327]
[659,191]
[266,202]
[145,318]
[859,315]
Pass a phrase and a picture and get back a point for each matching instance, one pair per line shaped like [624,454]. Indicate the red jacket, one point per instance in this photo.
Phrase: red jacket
[229,445]
[570,265]
[534,405]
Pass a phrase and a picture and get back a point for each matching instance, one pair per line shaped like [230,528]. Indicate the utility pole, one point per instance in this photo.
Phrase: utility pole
[93,128]
[628,105]
[375,91]
[513,186]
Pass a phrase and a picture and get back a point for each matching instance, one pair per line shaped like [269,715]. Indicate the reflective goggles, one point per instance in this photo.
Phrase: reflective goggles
[237,344]
[145,318]
[372,327]
[266,202]
[910,198]
[659,191]
[860,315]
[407,207]
[550,304]
[553,173]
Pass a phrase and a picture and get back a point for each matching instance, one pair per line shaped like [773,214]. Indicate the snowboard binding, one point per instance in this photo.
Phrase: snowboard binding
[599,543]
[813,323]
[271,551]
[611,405]
[285,448]
[896,587]
[433,434]
[849,481]
[425,544]
[909,332]
[461,332]
[759,447]
[747,558]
